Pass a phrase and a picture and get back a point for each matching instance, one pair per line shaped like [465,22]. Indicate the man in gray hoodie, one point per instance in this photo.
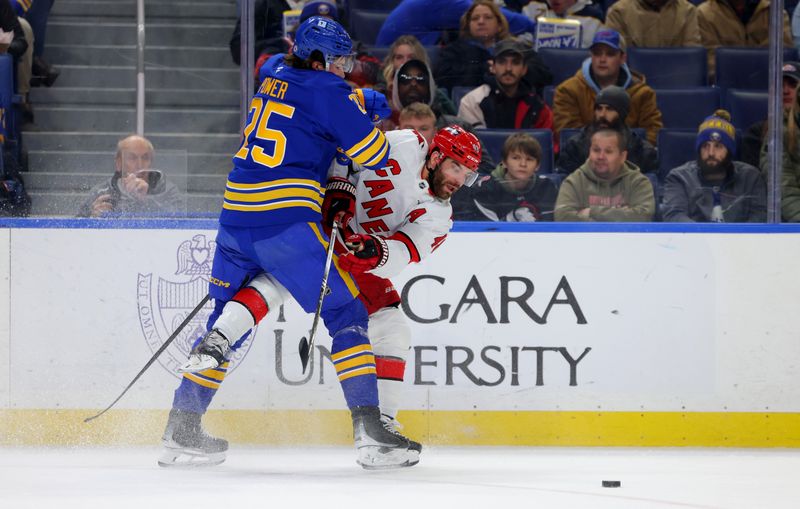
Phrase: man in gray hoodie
[607,187]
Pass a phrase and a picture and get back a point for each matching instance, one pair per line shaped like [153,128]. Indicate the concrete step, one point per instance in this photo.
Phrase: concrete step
[124,76]
[223,143]
[152,10]
[127,97]
[110,118]
[83,182]
[64,203]
[124,33]
[82,161]
[169,56]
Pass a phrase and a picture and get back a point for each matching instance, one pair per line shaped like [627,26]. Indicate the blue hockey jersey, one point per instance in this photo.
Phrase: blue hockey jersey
[297,120]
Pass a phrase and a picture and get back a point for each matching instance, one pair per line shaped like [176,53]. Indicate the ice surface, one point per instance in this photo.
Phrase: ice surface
[484,477]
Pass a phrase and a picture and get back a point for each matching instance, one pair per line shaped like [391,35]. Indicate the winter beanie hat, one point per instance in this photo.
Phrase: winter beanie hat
[615,97]
[717,127]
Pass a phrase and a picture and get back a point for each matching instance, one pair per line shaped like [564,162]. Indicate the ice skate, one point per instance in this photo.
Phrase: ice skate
[187,445]
[209,353]
[379,444]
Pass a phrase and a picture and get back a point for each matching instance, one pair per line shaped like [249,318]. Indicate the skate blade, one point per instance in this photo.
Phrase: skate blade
[188,458]
[197,363]
[371,458]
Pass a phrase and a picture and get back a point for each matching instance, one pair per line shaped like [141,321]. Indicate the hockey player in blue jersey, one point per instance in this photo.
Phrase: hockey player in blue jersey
[270,231]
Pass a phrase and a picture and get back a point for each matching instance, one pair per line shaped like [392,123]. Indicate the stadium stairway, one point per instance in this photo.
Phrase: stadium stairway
[192,98]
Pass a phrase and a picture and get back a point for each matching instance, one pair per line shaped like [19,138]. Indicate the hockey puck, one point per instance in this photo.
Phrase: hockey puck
[611,484]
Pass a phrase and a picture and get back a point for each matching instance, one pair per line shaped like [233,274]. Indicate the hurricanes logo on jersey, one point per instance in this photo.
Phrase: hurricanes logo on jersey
[163,304]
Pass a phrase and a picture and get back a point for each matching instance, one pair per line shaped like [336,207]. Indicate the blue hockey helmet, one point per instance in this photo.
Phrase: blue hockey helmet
[326,36]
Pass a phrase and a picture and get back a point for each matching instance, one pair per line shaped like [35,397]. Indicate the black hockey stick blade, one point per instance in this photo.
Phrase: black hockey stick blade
[155,355]
[304,351]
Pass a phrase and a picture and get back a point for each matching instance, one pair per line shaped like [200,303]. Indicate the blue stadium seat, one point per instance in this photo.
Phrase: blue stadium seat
[365,25]
[746,107]
[675,147]
[373,5]
[567,133]
[746,68]
[433,55]
[493,140]
[457,93]
[555,178]
[379,52]
[686,108]
[670,67]
[548,93]
[563,62]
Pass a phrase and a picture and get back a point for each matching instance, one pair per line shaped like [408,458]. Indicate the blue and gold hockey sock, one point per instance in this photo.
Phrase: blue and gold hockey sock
[196,390]
[354,361]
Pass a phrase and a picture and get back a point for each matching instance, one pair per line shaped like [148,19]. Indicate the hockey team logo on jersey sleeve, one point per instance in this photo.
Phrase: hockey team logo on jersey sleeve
[163,304]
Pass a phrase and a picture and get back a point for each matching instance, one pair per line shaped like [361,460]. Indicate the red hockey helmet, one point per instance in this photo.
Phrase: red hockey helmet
[456,143]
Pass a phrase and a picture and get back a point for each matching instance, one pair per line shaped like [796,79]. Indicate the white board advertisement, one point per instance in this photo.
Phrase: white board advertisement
[500,321]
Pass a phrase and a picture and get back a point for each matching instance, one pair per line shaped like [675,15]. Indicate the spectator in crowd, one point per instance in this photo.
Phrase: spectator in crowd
[465,61]
[714,187]
[607,187]
[135,189]
[13,41]
[610,110]
[413,82]
[584,11]
[655,23]
[403,49]
[513,192]
[419,117]
[506,100]
[430,20]
[736,23]
[574,99]
[754,137]
[37,15]
[790,163]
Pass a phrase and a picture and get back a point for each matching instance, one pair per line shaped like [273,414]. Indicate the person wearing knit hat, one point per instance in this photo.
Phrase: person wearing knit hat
[714,187]
[616,98]
[611,108]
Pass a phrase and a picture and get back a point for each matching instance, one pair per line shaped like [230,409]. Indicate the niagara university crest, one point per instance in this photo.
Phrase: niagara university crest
[163,304]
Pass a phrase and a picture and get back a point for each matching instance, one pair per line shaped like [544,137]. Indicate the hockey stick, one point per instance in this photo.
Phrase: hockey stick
[307,344]
[155,355]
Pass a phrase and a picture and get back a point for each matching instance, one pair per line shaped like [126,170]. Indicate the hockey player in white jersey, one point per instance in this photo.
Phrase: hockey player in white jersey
[392,217]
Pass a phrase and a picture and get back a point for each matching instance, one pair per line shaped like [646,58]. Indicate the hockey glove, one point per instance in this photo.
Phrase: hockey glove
[340,196]
[367,252]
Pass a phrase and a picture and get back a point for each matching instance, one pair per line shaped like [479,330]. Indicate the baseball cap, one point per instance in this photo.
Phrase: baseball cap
[510,45]
[327,9]
[792,70]
[610,38]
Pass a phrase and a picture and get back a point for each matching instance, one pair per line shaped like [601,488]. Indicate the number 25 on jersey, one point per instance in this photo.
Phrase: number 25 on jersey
[261,111]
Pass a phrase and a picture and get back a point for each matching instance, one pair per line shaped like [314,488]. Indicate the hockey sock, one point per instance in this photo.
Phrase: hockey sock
[352,357]
[390,371]
[196,390]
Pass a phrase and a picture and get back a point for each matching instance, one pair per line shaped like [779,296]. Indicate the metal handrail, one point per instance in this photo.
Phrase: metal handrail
[140,67]
[246,43]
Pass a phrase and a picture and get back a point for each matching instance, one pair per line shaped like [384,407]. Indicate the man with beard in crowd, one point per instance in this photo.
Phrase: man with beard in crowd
[714,187]
[610,109]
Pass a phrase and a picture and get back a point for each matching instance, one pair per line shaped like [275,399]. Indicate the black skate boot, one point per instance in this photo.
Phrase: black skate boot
[186,444]
[209,353]
[379,444]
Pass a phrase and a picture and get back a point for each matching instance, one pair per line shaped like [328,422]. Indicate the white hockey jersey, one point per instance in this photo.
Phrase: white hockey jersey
[396,203]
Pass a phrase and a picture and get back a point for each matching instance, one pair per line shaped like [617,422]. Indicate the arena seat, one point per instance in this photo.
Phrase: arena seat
[670,67]
[686,108]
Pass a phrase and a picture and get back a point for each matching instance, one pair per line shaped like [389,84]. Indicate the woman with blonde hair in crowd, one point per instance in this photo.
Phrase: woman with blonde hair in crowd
[464,62]
[403,49]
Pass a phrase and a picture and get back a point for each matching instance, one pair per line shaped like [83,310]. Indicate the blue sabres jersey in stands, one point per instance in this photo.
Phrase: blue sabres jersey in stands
[297,120]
